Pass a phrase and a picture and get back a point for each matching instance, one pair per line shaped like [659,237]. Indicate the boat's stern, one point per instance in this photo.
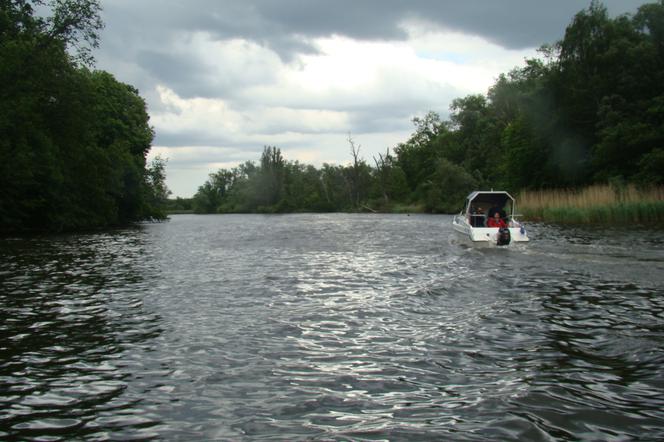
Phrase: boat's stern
[493,235]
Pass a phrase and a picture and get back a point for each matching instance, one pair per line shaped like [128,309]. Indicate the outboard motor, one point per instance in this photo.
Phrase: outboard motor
[504,237]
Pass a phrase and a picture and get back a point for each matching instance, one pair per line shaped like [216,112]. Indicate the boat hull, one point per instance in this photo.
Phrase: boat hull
[486,234]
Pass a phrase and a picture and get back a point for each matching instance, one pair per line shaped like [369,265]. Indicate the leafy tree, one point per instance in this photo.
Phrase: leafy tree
[74,142]
[448,187]
[610,78]
[524,159]
[206,199]
[302,189]
[157,191]
[650,168]
[477,135]
[416,156]
[75,23]
[336,189]
[122,131]
[218,193]
[270,183]
[389,178]
[383,173]
[180,205]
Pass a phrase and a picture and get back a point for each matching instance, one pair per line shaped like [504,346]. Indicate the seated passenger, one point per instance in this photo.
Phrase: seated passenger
[477,217]
[505,218]
[496,221]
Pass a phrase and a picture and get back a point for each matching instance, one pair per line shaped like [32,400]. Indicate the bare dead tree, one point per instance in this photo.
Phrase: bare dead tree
[355,172]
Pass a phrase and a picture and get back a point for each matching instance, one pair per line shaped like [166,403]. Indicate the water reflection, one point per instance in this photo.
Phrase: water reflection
[71,324]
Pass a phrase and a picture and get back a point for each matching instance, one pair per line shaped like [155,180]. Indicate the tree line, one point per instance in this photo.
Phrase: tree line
[589,109]
[74,140]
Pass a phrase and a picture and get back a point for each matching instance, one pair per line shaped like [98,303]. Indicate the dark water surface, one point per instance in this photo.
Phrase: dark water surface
[331,327]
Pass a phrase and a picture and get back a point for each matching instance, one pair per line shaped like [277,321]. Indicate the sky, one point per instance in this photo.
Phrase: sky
[222,79]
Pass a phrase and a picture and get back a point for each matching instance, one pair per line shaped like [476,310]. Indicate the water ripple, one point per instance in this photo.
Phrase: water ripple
[330,327]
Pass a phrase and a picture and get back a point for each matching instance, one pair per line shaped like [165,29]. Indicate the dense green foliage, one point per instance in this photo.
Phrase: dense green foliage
[277,185]
[73,141]
[589,110]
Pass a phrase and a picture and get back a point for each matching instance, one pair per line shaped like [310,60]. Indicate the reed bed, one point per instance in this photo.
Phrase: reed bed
[597,204]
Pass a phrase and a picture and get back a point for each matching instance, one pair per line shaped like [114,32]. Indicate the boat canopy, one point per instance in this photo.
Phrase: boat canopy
[489,199]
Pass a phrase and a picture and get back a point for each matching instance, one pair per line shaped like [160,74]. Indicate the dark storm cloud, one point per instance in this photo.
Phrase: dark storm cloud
[286,27]
[514,24]
[183,71]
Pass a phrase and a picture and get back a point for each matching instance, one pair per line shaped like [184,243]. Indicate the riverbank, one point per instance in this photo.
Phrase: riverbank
[598,204]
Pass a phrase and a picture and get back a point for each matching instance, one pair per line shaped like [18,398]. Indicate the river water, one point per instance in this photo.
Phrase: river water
[331,327]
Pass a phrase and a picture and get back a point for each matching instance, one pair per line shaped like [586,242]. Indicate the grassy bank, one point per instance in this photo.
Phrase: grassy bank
[599,204]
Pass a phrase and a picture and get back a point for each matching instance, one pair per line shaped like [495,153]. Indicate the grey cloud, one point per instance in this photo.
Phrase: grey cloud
[510,23]
[277,24]
[184,73]
[219,155]
[513,24]
[194,138]
[164,137]
[285,27]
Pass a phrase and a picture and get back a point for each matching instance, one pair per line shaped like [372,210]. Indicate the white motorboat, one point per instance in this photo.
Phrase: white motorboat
[473,221]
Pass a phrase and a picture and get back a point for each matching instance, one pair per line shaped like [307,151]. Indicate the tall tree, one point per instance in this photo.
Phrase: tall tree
[417,155]
[270,185]
[74,142]
[156,188]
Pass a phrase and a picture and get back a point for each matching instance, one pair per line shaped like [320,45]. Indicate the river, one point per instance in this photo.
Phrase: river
[331,327]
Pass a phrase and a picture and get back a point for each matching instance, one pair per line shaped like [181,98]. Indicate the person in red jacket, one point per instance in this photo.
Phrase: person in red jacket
[496,221]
